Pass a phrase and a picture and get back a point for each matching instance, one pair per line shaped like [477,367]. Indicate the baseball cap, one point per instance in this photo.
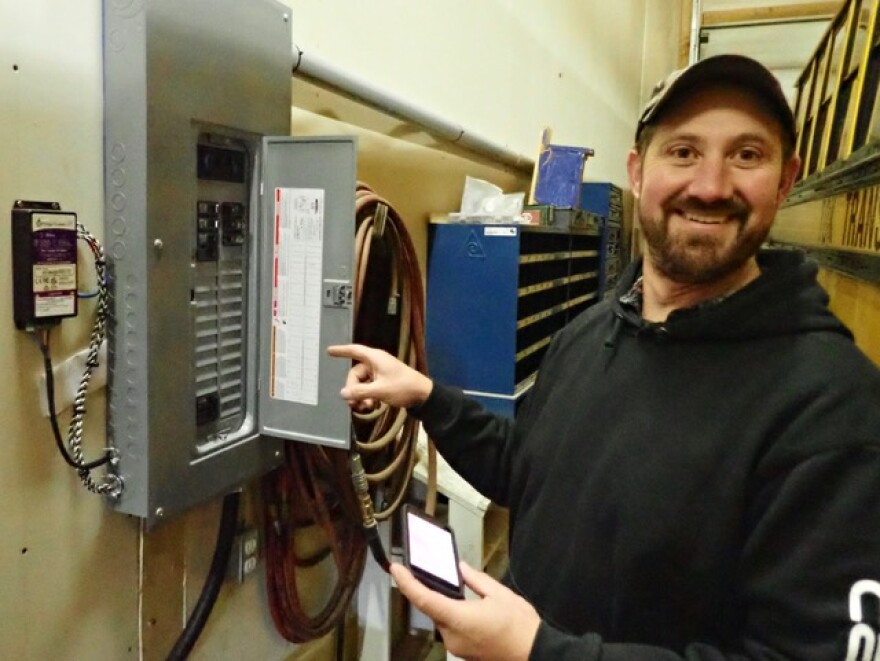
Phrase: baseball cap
[736,70]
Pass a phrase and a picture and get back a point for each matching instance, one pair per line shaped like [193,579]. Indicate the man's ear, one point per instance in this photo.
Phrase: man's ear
[634,170]
[789,174]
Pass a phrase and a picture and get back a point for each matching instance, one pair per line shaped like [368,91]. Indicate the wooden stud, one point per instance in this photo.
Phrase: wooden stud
[804,10]
[684,40]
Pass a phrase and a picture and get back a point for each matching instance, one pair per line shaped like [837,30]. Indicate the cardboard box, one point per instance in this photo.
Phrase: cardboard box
[562,217]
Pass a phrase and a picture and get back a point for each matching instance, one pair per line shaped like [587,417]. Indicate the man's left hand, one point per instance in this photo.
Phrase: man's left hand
[500,626]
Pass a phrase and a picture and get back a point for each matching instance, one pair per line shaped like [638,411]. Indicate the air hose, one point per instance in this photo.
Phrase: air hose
[327,493]
[389,305]
[213,582]
[368,518]
[311,496]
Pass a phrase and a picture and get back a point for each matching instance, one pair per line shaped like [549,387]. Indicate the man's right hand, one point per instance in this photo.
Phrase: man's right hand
[380,377]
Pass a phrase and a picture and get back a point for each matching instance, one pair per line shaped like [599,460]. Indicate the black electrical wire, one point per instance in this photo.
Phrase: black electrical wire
[53,415]
[213,582]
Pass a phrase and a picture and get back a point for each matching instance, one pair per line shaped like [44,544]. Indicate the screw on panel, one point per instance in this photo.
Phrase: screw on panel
[160,512]
[158,245]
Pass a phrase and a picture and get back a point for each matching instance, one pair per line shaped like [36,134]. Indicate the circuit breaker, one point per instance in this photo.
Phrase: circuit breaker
[224,236]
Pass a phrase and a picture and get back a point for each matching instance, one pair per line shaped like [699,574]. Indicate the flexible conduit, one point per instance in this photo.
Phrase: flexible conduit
[321,73]
[213,582]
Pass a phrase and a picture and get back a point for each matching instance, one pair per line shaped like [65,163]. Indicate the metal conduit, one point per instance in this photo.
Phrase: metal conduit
[321,73]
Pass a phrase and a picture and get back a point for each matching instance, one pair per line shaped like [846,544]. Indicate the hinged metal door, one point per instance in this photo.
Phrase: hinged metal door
[306,302]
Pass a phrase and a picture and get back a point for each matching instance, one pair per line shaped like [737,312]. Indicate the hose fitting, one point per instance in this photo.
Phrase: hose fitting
[362,490]
[368,519]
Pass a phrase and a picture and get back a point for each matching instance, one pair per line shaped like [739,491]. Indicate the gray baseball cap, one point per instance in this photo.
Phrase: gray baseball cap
[736,70]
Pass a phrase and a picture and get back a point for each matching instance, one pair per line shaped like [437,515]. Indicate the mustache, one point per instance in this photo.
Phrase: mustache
[732,206]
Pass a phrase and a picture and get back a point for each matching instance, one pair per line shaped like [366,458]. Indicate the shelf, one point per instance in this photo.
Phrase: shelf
[496,297]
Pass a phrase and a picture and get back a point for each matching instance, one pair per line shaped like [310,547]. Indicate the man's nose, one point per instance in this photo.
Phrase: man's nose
[711,180]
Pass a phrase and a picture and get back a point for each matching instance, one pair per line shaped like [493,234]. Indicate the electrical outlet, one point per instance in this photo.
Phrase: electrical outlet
[245,554]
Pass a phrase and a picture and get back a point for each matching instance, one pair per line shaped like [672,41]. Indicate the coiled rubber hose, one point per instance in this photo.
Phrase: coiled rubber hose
[311,499]
[312,495]
[389,301]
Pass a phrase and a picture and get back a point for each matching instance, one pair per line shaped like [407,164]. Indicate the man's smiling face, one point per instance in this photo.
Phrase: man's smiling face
[709,183]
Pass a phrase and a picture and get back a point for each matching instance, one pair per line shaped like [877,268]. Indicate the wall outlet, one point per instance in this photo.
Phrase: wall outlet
[245,554]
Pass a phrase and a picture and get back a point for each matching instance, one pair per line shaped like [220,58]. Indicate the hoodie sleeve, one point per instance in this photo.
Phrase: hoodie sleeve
[476,443]
[810,567]
[479,445]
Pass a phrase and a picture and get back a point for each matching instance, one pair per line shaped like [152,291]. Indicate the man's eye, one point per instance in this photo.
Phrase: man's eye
[749,155]
[682,153]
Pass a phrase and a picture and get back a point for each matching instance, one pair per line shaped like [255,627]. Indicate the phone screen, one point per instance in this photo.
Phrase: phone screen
[431,553]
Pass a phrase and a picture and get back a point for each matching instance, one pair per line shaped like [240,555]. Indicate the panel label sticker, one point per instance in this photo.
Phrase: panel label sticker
[53,275]
[297,294]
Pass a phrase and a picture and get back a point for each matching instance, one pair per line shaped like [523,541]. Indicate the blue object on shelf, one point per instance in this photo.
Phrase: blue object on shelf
[560,171]
[601,198]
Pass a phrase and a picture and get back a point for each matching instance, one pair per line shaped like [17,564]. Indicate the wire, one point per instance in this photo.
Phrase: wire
[43,343]
[111,484]
[213,582]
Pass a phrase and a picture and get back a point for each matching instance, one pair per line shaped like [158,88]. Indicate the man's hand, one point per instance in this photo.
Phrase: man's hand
[380,377]
[501,626]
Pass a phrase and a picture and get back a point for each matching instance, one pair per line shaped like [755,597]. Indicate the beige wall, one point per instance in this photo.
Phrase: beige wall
[857,303]
[71,572]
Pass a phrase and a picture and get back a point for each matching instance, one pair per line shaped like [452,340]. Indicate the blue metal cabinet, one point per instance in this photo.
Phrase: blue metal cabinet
[606,200]
[496,296]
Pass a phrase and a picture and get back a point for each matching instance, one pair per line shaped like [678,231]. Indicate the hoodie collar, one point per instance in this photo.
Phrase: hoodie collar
[785,299]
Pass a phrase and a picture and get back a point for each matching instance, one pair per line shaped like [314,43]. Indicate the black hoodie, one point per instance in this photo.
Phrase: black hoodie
[705,488]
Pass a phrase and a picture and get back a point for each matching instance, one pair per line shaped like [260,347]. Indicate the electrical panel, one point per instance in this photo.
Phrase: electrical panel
[223,242]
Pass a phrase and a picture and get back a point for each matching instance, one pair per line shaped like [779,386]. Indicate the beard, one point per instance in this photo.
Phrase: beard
[696,259]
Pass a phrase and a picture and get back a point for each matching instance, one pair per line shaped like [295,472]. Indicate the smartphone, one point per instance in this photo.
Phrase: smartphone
[429,552]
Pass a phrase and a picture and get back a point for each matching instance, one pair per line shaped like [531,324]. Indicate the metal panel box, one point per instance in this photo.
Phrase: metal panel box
[191,89]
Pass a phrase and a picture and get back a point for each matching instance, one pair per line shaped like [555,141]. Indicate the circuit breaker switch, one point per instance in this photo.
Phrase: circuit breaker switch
[234,223]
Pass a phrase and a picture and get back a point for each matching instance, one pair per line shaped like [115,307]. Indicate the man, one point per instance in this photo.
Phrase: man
[696,472]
